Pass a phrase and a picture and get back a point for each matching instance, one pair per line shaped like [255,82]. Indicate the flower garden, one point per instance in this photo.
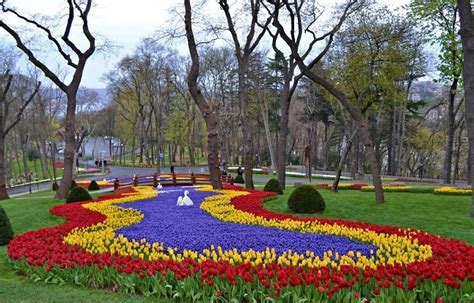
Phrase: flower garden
[228,246]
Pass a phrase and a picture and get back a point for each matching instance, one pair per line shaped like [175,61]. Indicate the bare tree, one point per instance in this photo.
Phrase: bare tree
[206,107]
[80,8]
[6,101]
[305,64]
[467,36]
[243,51]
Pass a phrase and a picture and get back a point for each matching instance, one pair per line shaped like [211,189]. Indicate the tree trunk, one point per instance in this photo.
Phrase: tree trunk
[268,136]
[346,151]
[3,187]
[246,122]
[283,136]
[448,158]
[467,35]
[44,159]
[69,150]
[458,153]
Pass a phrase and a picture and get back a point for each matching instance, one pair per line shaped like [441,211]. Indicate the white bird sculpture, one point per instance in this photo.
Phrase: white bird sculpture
[159,186]
[180,201]
[186,200]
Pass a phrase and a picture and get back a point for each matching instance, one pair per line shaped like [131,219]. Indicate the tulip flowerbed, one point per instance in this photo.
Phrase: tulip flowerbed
[227,246]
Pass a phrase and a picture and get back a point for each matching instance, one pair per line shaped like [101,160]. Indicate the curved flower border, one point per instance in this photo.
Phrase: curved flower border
[451,263]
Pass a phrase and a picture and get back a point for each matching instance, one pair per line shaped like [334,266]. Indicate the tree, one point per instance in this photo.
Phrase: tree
[467,35]
[7,120]
[207,108]
[293,9]
[442,22]
[65,49]
[243,51]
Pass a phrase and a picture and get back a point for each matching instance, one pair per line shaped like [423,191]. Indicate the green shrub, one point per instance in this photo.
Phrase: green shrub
[93,185]
[273,185]
[306,199]
[239,179]
[6,231]
[78,194]
[73,184]
[55,186]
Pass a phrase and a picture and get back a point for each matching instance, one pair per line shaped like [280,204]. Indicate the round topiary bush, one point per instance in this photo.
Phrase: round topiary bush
[73,184]
[55,186]
[6,231]
[273,185]
[93,185]
[306,199]
[239,179]
[78,194]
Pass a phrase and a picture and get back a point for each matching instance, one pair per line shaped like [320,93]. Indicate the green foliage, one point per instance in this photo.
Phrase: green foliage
[239,180]
[55,186]
[440,21]
[6,231]
[306,199]
[273,185]
[93,185]
[422,190]
[78,194]
[73,184]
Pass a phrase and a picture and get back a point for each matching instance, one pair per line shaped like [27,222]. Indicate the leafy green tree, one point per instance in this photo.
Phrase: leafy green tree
[441,23]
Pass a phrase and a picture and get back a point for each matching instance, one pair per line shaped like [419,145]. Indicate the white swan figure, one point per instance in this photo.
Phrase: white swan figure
[159,186]
[186,200]
[180,201]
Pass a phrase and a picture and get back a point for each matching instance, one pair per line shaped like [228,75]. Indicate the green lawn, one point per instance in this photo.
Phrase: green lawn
[36,169]
[446,216]
[32,212]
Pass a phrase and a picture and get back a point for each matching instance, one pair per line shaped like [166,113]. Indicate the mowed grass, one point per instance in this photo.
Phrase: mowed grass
[31,212]
[447,216]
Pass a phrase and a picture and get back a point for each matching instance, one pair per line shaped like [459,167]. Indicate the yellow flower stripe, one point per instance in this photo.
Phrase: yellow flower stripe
[101,237]
[392,249]
[447,190]
[402,188]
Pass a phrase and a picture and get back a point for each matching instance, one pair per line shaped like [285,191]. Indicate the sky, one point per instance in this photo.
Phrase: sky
[122,22]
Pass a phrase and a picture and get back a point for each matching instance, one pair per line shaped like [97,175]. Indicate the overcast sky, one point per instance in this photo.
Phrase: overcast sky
[125,23]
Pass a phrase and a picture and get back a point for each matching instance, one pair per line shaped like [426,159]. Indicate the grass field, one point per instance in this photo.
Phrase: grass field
[36,170]
[442,215]
[446,216]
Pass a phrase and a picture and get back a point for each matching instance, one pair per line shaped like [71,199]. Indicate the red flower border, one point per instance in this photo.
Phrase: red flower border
[452,262]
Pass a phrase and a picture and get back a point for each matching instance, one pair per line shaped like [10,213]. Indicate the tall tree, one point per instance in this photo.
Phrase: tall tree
[243,50]
[8,120]
[306,63]
[207,108]
[442,22]
[65,49]
[467,34]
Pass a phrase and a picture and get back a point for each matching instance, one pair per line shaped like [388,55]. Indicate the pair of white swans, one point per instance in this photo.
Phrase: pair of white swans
[184,201]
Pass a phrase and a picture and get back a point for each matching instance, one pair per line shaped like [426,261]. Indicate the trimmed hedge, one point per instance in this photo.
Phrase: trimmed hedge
[273,185]
[93,186]
[239,179]
[6,231]
[306,199]
[78,194]
[55,186]
[73,184]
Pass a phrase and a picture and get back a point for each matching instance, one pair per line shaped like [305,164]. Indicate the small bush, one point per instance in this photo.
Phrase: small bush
[273,185]
[78,194]
[73,184]
[55,186]
[93,185]
[306,199]
[239,179]
[6,231]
